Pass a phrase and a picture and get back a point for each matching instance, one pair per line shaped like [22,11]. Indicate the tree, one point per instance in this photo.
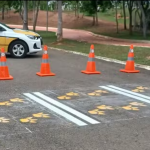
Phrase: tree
[59,28]
[35,12]
[3,4]
[18,6]
[77,10]
[25,15]
[144,7]
[116,5]
[130,8]
[90,7]
[124,15]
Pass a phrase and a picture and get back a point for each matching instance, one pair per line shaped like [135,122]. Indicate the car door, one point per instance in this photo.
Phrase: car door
[2,37]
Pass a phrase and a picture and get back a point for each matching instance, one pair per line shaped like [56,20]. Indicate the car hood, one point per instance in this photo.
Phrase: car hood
[26,32]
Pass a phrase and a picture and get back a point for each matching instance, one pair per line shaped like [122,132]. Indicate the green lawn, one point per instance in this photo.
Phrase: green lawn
[124,34]
[110,16]
[116,52]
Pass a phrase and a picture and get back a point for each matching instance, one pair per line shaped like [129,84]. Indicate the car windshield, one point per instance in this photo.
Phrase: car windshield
[6,26]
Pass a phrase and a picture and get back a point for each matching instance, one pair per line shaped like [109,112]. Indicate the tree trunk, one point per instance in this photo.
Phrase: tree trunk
[82,15]
[96,15]
[130,22]
[56,6]
[93,20]
[124,15]
[130,4]
[59,29]
[144,19]
[3,11]
[77,9]
[96,18]
[25,15]
[47,17]
[33,3]
[36,14]
[140,16]
[135,19]
[116,18]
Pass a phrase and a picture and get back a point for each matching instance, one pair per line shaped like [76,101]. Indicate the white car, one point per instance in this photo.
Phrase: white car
[19,42]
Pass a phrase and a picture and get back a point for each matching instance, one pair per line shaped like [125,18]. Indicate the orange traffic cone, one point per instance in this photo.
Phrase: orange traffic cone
[45,65]
[4,72]
[91,65]
[129,68]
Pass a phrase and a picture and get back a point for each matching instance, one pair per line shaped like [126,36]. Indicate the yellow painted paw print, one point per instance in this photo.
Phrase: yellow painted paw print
[68,96]
[41,115]
[4,120]
[17,100]
[94,94]
[72,94]
[105,107]
[137,90]
[130,107]
[140,89]
[137,104]
[101,91]
[28,120]
[64,97]
[96,112]
[6,103]
[97,93]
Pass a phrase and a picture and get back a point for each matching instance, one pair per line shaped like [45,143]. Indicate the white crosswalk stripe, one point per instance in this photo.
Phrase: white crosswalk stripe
[62,109]
[127,93]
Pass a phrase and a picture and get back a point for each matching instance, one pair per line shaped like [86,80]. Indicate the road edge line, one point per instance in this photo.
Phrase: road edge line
[102,58]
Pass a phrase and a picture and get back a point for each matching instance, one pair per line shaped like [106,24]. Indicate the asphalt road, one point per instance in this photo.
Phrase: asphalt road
[103,120]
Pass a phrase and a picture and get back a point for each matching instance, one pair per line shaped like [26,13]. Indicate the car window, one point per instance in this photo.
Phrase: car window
[1,28]
[6,26]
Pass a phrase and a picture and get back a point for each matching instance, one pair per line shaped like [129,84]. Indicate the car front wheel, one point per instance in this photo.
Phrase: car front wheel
[18,49]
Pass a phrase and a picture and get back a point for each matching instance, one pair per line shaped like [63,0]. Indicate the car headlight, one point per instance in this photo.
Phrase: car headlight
[32,37]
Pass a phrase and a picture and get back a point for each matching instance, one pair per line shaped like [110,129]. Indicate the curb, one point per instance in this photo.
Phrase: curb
[102,58]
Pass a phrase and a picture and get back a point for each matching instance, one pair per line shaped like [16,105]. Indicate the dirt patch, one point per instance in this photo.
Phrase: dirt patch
[69,21]
[148,58]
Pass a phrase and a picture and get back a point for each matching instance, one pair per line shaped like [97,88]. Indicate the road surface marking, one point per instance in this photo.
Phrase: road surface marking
[104,107]
[56,110]
[72,94]
[140,89]
[4,120]
[41,115]
[130,107]
[63,97]
[96,112]
[137,104]
[67,108]
[123,92]
[28,120]
[6,103]
[94,94]
[127,91]
[17,100]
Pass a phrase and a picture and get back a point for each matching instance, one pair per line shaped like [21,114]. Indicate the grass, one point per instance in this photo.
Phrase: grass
[124,34]
[115,52]
[109,15]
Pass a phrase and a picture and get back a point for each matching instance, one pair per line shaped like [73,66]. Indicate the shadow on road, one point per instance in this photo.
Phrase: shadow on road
[30,56]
